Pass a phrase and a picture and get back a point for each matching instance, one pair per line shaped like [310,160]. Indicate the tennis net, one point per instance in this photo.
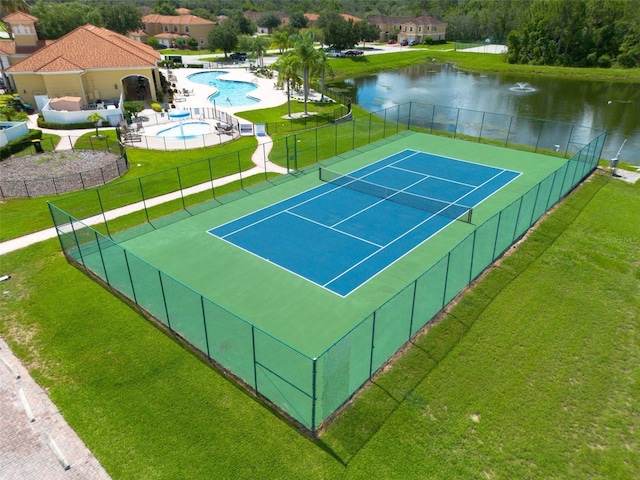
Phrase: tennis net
[431,205]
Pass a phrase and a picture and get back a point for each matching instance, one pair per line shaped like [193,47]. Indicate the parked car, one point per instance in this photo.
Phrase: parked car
[336,53]
[404,42]
[239,56]
[353,53]
[413,42]
[391,42]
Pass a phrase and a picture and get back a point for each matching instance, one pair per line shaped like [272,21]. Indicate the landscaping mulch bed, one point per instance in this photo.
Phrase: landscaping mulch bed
[53,173]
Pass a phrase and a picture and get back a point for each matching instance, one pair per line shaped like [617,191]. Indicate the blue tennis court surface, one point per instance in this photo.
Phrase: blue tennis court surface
[344,232]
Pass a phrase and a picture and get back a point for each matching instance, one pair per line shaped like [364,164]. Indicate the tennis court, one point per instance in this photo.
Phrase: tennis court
[304,290]
[342,233]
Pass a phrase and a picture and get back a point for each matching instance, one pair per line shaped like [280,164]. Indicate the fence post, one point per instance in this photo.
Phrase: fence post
[446,280]
[106,224]
[180,187]
[213,189]
[164,300]
[413,307]
[144,203]
[133,287]
[239,167]
[255,360]
[313,397]
[481,126]
[538,140]
[373,336]
[506,141]
[204,324]
[104,266]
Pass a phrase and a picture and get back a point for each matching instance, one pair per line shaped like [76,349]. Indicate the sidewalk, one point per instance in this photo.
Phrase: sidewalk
[35,440]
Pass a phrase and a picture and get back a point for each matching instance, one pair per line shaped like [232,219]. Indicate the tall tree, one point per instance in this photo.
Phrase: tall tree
[308,58]
[164,7]
[367,32]
[58,19]
[288,66]
[337,31]
[223,37]
[242,24]
[10,6]
[270,21]
[298,20]
[280,39]
[120,17]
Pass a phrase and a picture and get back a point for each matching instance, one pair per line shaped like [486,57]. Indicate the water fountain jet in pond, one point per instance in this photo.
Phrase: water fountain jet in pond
[522,87]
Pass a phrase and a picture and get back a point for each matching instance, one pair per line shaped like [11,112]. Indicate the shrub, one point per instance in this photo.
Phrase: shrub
[67,126]
[626,60]
[20,144]
[604,61]
[156,107]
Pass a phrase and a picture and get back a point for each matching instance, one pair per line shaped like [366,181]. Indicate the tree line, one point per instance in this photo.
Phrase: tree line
[543,32]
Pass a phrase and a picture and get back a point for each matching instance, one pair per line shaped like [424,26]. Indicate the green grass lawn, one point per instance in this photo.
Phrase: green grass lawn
[21,216]
[477,62]
[533,374]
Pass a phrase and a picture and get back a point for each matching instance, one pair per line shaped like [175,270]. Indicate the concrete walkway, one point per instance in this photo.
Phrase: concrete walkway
[36,443]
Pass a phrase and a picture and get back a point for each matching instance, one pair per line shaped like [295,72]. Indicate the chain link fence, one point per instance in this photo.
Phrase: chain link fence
[57,185]
[309,390]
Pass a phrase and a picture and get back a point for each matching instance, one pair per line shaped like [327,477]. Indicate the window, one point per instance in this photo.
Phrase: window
[165,28]
[419,29]
[175,29]
[186,28]
[411,29]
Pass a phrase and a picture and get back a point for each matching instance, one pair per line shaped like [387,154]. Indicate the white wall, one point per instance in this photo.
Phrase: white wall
[13,131]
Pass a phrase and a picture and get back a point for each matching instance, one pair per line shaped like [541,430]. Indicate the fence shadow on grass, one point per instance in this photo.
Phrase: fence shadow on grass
[359,420]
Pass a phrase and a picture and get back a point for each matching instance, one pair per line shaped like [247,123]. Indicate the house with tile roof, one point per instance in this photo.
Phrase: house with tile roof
[90,63]
[411,29]
[167,28]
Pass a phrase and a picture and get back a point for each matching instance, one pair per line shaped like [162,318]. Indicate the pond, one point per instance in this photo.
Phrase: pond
[613,106]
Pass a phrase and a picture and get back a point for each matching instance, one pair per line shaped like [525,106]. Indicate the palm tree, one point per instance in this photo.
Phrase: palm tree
[288,67]
[280,40]
[309,58]
[323,67]
[259,48]
[96,118]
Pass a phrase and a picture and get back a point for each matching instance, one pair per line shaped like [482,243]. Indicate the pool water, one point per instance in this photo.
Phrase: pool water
[231,93]
[190,130]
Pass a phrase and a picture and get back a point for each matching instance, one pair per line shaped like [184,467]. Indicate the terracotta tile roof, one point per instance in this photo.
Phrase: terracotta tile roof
[7,47]
[88,47]
[19,17]
[183,11]
[176,19]
[313,17]
[389,20]
[426,20]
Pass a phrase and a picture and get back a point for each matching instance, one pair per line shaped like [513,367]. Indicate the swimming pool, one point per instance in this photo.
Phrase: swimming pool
[230,93]
[186,130]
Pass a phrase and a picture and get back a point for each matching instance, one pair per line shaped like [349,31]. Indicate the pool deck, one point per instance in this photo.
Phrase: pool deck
[266,92]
